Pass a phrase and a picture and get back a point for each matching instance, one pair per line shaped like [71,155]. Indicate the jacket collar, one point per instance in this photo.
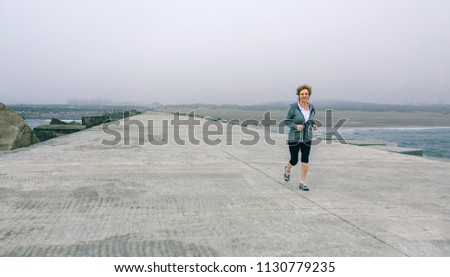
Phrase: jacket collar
[311,106]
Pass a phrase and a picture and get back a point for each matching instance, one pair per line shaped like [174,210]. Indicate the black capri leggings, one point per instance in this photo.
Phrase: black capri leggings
[295,147]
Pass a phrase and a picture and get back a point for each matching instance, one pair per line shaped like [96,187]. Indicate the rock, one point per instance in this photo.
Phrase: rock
[56,121]
[14,132]
[46,132]
[90,121]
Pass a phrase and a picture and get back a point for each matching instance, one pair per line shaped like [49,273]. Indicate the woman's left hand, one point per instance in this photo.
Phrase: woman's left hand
[315,127]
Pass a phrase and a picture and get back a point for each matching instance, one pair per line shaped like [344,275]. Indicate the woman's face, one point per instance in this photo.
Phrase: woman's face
[303,95]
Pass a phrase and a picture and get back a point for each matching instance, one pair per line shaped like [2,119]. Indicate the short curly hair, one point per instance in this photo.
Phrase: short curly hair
[304,86]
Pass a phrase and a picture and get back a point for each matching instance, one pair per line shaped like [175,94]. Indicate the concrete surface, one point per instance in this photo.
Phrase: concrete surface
[370,142]
[400,150]
[72,196]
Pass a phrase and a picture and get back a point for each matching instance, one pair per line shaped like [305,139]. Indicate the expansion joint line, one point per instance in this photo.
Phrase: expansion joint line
[320,206]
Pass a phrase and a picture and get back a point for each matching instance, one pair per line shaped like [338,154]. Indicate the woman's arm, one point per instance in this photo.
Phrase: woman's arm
[289,119]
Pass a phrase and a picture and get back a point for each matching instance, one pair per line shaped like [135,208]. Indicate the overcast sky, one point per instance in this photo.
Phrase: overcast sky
[224,51]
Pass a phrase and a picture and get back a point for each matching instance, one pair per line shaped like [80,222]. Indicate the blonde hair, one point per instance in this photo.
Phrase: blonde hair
[304,86]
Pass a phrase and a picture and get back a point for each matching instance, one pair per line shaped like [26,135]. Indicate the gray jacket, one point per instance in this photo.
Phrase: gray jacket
[295,117]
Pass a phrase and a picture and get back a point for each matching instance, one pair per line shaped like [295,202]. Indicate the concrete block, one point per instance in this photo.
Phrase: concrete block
[90,121]
[400,150]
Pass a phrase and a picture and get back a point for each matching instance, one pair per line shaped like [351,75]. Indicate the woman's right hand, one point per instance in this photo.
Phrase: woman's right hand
[300,127]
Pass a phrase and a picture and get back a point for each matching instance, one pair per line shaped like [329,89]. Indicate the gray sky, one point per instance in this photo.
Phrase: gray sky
[224,51]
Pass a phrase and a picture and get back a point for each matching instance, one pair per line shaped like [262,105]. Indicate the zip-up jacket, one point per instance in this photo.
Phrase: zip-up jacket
[295,117]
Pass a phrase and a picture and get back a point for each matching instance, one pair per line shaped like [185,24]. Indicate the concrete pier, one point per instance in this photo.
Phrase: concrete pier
[74,196]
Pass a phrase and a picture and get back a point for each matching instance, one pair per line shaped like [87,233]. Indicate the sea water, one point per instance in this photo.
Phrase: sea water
[33,123]
[434,141]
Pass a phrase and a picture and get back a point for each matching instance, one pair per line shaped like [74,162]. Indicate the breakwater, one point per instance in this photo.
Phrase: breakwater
[71,196]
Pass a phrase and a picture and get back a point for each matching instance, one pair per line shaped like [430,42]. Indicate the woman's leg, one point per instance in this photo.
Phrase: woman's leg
[305,149]
[304,170]
[288,167]
[294,149]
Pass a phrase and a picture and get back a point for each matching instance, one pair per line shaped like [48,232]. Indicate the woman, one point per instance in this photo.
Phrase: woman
[300,120]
